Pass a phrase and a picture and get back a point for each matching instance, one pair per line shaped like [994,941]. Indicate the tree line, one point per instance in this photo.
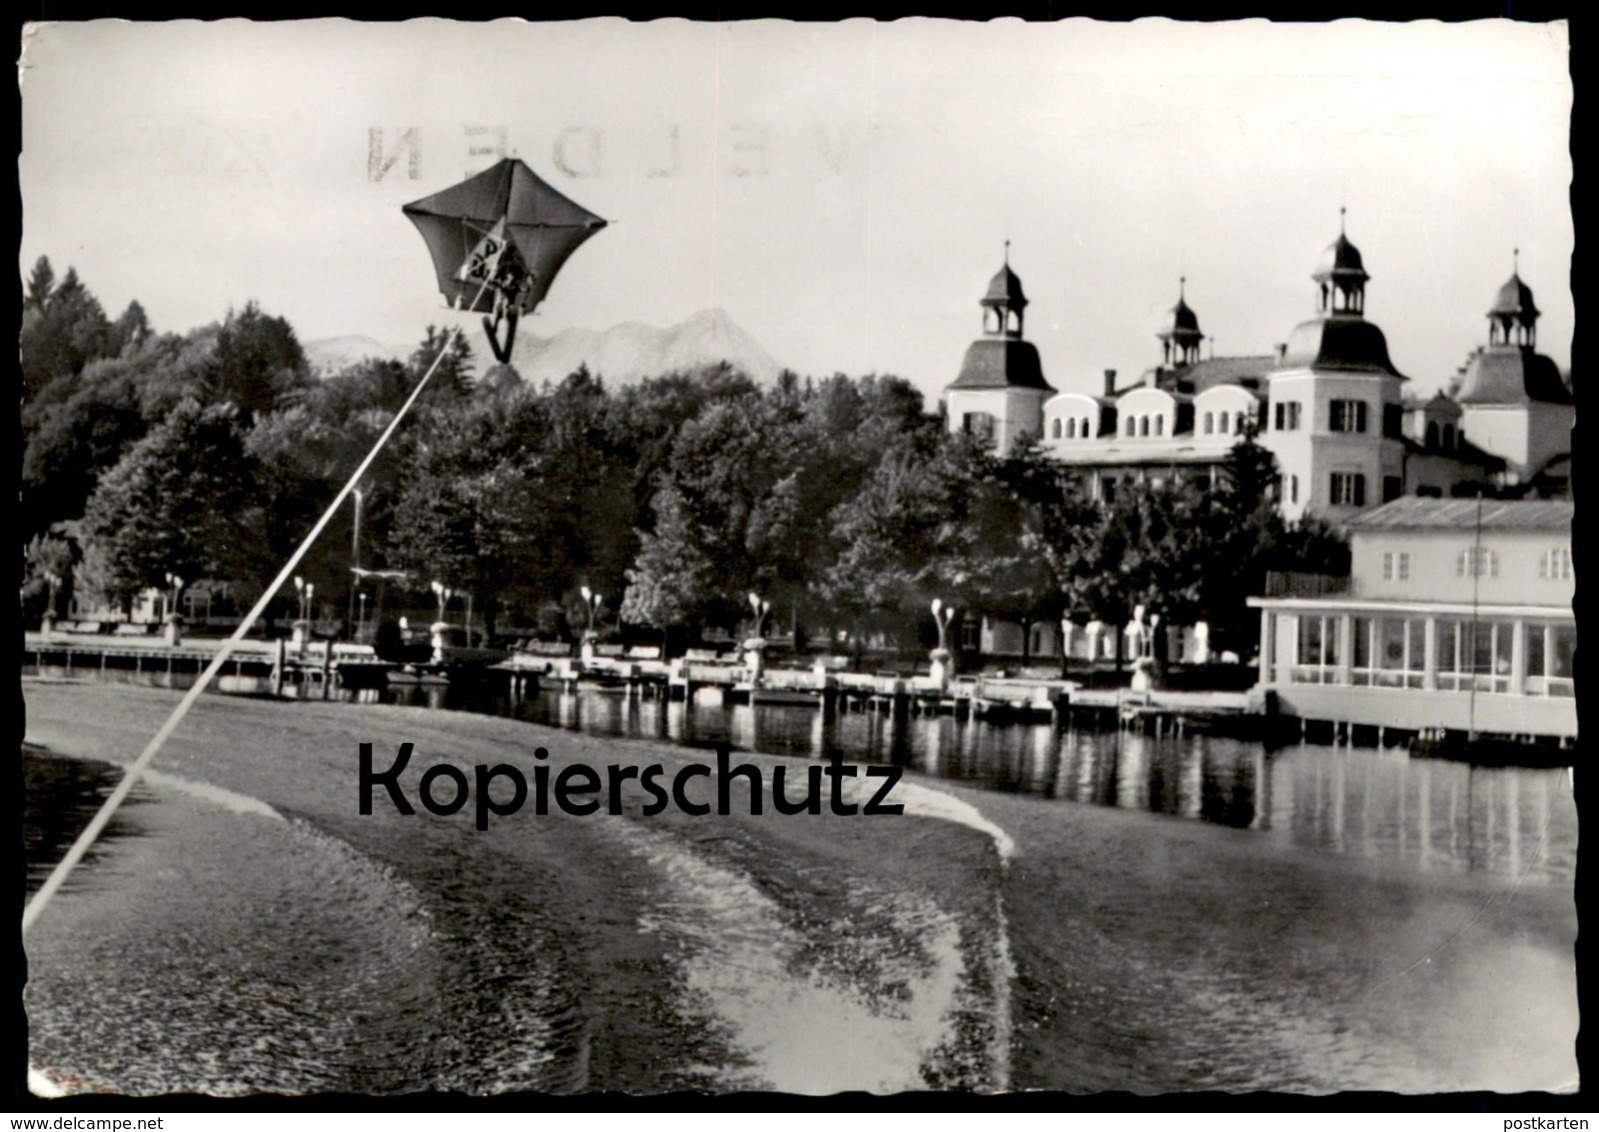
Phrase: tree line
[842,501]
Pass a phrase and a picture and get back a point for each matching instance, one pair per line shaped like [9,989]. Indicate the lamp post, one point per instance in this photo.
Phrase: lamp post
[441,628]
[943,660]
[300,623]
[444,594]
[1068,632]
[760,608]
[174,619]
[755,645]
[591,606]
[48,622]
[360,625]
[1142,641]
[355,552]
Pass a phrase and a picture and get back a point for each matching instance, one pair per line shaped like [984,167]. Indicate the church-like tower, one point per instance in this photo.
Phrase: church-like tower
[1000,392]
[1513,402]
[1334,415]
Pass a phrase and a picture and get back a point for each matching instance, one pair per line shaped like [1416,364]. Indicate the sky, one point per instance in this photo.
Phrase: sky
[843,191]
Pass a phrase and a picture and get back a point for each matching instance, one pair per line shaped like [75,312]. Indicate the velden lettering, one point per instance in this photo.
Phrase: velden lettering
[502,789]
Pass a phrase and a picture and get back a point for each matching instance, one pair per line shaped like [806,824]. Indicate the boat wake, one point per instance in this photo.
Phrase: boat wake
[831,981]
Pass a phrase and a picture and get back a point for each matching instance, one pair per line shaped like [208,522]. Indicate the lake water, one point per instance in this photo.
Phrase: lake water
[1356,801]
[476,960]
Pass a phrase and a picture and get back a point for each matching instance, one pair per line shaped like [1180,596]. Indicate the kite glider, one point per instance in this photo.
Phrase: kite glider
[497,241]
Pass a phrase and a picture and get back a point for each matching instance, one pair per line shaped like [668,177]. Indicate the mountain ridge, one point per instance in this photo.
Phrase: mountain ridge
[624,354]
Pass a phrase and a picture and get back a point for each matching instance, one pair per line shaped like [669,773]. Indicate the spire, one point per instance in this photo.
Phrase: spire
[1179,331]
[1006,300]
[1513,321]
[1341,275]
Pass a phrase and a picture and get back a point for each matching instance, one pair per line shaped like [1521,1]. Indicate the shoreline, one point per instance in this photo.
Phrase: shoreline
[1149,954]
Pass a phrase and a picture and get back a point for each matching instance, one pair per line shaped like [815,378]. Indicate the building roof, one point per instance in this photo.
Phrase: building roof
[1515,299]
[1001,363]
[1464,452]
[1338,342]
[1414,513]
[1511,375]
[1211,372]
[1005,289]
[1438,399]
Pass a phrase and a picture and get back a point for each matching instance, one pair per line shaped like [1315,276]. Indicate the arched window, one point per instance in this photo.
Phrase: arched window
[1226,423]
[1143,425]
[1432,434]
[1054,429]
[1449,436]
[1131,428]
[1160,424]
[1238,421]
[1084,431]
[1210,423]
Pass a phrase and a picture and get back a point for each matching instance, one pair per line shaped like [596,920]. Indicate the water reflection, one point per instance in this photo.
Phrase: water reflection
[1430,814]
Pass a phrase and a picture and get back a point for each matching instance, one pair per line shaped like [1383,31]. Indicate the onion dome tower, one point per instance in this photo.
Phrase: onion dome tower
[1001,358]
[1179,333]
[1001,390]
[1514,403]
[1514,317]
[1339,338]
[1511,371]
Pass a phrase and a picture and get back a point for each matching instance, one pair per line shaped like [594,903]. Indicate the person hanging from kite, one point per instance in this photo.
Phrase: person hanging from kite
[509,280]
[497,240]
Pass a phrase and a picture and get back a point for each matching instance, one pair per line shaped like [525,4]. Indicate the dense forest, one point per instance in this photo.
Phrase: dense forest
[209,455]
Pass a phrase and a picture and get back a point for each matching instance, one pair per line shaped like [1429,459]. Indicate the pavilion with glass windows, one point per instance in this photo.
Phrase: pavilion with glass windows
[1456,616]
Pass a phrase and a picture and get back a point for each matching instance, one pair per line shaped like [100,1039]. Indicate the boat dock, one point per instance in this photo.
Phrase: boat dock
[252,668]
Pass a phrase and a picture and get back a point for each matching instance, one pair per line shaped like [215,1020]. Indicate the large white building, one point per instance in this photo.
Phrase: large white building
[1328,404]
[1457,615]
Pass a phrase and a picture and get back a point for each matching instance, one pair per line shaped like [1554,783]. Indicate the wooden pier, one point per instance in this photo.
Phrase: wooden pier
[252,667]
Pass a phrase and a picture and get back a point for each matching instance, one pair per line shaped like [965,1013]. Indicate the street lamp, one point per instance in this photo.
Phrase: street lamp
[360,625]
[299,589]
[761,609]
[355,550]
[310,605]
[942,616]
[591,604]
[444,593]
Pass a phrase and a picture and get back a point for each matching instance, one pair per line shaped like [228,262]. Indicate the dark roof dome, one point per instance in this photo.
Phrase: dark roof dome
[1515,301]
[1005,289]
[1338,344]
[1341,260]
[1508,375]
[1180,318]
